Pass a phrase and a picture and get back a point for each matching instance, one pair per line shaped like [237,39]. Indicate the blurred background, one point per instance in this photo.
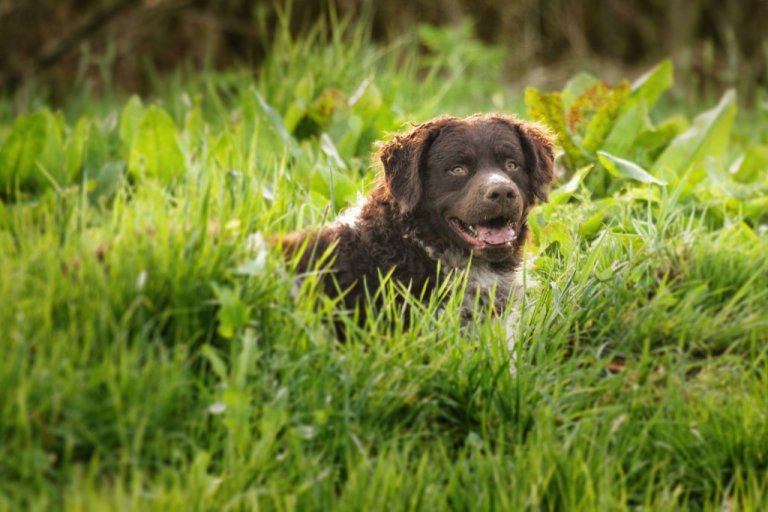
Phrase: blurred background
[124,45]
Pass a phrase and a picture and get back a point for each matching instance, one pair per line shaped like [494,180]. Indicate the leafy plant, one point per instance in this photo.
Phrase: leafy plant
[589,116]
[607,133]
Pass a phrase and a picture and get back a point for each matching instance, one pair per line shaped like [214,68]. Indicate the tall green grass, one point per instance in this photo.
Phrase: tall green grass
[155,358]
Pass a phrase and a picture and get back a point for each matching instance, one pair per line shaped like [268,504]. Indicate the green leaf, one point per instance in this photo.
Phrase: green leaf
[97,150]
[555,231]
[20,151]
[52,162]
[589,228]
[652,84]
[626,130]
[722,184]
[233,312]
[276,121]
[752,166]
[218,365]
[706,138]
[328,147]
[302,96]
[576,87]
[366,101]
[547,108]
[333,184]
[642,193]
[32,156]
[633,119]
[607,105]
[75,148]
[85,152]
[130,118]
[351,128]
[155,151]
[104,183]
[194,122]
[756,209]
[626,169]
[223,151]
[656,139]
[563,193]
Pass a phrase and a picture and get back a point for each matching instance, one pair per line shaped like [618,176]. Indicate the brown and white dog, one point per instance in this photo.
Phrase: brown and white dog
[455,192]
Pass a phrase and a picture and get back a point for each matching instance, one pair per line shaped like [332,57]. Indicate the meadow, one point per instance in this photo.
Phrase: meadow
[156,356]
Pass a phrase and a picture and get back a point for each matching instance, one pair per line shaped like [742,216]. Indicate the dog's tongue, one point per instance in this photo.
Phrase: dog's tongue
[496,236]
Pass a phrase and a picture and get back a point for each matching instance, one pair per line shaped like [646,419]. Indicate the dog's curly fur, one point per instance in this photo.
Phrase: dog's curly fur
[453,191]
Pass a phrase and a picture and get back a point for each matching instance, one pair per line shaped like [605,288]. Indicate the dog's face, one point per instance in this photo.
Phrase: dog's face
[471,181]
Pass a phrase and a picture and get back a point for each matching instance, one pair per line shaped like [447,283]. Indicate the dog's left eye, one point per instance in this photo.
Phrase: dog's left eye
[458,170]
[510,165]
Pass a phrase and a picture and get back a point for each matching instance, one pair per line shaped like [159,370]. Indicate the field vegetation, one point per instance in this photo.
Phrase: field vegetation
[156,356]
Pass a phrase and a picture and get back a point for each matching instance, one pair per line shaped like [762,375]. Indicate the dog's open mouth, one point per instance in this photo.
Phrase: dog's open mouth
[495,232]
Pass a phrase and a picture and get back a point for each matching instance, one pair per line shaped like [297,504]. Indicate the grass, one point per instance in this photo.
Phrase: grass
[154,361]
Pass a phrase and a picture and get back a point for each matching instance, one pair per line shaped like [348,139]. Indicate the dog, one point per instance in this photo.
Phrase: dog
[455,192]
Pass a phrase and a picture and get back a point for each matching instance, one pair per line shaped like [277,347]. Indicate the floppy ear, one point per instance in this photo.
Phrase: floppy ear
[402,158]
[538,148]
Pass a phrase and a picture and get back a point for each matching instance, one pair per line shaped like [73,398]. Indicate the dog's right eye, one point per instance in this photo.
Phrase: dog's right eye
[510,165]
[458,170]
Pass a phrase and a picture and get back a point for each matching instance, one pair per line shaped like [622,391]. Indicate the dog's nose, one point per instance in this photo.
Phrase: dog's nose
[500,191]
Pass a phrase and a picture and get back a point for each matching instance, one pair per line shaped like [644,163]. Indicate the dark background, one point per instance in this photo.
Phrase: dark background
[122,44]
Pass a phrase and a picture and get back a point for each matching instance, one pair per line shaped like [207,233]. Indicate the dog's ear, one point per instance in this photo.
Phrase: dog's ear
[539,151]
[403,158]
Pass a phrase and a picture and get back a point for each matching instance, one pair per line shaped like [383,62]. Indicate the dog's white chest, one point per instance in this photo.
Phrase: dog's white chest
[492,288]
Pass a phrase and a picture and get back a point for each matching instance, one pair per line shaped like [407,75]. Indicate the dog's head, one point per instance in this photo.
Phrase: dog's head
[470,181]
